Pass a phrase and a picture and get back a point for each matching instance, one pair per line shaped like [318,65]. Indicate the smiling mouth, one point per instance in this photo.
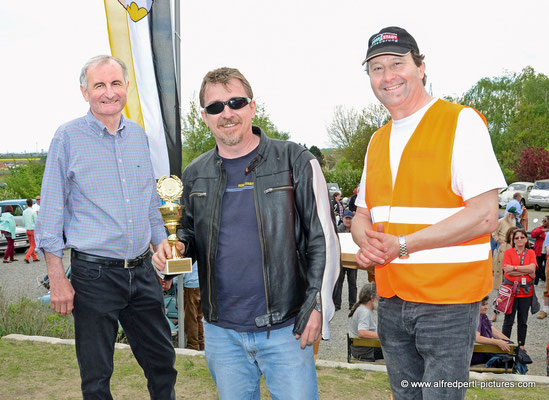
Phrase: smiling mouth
[394,87]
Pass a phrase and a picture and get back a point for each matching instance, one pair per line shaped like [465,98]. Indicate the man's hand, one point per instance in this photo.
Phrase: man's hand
[163,252]
[377,248]
[61,290]
[503,345]
[61,296]
[312,331]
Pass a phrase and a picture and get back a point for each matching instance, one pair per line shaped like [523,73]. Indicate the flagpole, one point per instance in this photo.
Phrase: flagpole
[181,339]
[177,45]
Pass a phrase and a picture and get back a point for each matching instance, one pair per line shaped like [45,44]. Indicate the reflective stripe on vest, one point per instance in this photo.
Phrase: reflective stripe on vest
[423,196]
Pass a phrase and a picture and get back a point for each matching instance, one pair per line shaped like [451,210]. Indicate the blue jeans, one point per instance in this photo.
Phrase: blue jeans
[427,343]
[237,359]
[105,295]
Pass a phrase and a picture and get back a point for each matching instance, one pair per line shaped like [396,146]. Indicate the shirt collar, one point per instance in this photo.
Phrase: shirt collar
[99,128]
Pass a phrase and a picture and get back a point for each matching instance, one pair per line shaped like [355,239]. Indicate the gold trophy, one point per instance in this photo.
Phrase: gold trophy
[170,190]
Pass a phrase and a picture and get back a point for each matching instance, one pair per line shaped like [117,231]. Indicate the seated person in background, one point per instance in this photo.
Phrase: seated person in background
[362,324]
[488,334]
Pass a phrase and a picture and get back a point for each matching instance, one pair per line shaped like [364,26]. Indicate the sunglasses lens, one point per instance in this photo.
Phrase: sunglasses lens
[214,108]
[237,103]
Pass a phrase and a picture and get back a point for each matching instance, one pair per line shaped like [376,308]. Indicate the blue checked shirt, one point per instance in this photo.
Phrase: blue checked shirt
[99,189]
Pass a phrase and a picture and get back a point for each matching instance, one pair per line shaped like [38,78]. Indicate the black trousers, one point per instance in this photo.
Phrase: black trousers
[540,271]
[351,282]
[521,307]
[103,297]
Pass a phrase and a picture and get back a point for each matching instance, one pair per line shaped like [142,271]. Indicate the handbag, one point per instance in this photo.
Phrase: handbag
[505,298]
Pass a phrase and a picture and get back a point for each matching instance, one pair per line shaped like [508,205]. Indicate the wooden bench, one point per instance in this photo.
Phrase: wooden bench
[479,348]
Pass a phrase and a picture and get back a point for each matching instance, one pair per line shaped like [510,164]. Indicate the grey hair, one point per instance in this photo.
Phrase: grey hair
[100,60]
[367,293]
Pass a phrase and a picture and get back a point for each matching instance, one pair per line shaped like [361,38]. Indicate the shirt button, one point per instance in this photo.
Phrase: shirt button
[123,180]
[120,160]
[127,200]
[130,221]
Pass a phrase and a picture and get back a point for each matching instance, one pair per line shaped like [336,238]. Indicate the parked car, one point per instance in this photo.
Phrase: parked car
[19,205]
[539,196]
[21,240]
[523,188]
[332,188]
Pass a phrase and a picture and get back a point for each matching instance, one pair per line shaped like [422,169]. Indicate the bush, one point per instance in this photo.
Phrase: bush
[28,317]
[347,178]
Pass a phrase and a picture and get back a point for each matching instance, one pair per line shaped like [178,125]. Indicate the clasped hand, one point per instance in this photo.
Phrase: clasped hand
[377,248]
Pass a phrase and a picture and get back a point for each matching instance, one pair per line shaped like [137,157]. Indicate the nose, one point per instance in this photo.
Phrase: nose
[109,91]
[388,74]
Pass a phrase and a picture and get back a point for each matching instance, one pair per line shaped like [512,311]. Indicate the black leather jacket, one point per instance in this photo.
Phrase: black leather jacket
[293,243]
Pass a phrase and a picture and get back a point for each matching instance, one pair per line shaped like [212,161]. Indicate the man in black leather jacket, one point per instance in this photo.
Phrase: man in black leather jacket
[258,221]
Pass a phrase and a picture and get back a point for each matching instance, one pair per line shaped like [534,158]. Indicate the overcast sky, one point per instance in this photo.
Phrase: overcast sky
[302,57]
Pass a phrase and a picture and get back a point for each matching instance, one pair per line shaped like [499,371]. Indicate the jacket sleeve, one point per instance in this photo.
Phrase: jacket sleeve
[537,232]
[322,253]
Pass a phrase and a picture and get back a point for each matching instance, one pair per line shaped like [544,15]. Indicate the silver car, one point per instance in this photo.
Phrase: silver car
[539,196]
[523,188]
[21,240]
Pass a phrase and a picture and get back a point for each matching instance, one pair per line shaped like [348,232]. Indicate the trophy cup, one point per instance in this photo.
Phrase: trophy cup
[170,190]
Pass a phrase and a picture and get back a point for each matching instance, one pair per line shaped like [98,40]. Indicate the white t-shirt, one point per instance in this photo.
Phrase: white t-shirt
[36,207]
[472,153]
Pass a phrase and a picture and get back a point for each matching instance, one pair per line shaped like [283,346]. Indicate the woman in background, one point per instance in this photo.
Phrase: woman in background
[362,324]
[7,226]
[519,265]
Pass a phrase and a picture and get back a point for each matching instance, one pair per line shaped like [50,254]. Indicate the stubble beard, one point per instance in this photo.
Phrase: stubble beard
[235,138]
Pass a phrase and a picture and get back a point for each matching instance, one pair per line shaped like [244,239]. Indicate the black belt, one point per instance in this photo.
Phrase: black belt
[128,263]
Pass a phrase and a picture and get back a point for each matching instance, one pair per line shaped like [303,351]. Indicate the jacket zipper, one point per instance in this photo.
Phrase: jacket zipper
[198,194]
[261,242]
[210,239]
[269,190]
[298,323]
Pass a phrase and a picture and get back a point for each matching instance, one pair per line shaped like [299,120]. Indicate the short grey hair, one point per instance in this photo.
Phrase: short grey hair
[100,60]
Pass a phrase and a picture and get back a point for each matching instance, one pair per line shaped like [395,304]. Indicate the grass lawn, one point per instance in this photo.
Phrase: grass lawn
[42,371]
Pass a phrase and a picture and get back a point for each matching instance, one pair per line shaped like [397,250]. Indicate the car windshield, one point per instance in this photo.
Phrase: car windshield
[542,185]
[517,187]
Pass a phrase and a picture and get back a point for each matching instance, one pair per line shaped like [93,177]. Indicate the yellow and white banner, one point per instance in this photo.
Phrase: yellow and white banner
[131,29]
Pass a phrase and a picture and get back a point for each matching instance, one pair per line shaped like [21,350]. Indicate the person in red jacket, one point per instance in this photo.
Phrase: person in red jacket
[519,264]
[539,234]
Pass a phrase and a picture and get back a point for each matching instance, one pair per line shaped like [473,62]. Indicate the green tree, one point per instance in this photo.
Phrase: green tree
[315,151]
[346,177]
[516,107]
[25,180]
[197,137]
[351,130]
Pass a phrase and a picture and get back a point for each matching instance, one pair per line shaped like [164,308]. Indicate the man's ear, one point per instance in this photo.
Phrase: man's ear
[84,93]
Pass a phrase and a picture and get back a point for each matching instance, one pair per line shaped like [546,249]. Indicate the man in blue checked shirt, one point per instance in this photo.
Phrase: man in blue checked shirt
[99,189]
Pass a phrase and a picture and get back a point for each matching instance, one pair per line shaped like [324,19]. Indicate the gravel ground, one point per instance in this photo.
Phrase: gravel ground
[19,279]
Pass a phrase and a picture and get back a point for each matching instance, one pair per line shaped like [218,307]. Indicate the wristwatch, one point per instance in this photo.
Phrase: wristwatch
[403,253]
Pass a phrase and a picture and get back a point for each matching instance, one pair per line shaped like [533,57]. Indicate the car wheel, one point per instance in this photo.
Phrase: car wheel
[537,208]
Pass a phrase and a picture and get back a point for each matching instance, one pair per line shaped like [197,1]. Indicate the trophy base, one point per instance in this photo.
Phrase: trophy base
[177,266]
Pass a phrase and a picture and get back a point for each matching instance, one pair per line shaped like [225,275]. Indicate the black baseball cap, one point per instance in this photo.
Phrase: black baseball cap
[391,40]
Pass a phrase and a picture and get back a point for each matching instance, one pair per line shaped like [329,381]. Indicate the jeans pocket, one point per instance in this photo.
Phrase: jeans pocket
[85,272]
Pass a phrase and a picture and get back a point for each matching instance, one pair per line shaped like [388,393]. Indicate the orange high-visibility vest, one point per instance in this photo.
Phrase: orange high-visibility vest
[423,196]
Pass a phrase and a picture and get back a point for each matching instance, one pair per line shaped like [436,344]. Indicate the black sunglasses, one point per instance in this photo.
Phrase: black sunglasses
[236,103]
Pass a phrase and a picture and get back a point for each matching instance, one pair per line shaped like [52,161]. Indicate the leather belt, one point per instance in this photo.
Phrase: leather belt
[127,263]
